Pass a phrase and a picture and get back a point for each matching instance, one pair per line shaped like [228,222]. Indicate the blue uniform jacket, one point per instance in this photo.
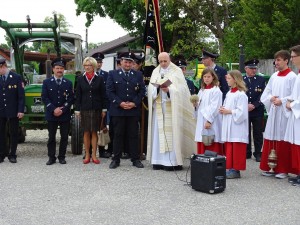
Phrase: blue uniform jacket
[221,72]
[54,96]
[255,90]
[12,96]
[104,74]
[120,89]
[191,86]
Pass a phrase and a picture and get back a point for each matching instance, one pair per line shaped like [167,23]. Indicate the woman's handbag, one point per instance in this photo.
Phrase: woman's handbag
[103,135]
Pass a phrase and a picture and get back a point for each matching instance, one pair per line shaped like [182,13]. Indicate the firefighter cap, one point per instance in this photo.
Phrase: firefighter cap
[253,63]
[58,62]
[98,56]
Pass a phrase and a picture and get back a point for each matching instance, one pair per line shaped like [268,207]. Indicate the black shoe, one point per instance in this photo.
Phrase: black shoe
[104,154]
[258,158]
[293,179]
[13,160]
[114,164]
[158,167]
[138,164]
[296,183]
[125,156]
[1,160]
[62,161]
[249,156]
[50,162]
[171,168]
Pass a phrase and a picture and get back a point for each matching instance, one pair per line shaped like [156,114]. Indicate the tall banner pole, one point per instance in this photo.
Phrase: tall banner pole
[153,46]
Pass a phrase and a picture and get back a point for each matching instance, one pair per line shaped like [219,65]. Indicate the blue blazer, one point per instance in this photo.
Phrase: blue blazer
[12,96]
[90,96]
[54,96]
[104,74]
[254,92]
[121,88]
[191,86]
[221,72]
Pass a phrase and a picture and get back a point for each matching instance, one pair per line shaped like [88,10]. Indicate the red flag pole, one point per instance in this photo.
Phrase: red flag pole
[153,46]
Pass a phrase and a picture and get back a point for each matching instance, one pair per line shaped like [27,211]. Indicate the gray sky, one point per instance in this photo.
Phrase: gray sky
[101,30]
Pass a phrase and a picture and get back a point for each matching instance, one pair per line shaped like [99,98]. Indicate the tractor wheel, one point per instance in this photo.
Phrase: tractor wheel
[22,134]
[77,136]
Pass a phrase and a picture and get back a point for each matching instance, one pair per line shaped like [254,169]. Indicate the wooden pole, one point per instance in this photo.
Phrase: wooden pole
[142,131]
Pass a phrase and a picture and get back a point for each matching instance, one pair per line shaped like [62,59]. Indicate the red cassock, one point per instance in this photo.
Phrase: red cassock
[283,152]
[235,155]
[215,147]
[295,157]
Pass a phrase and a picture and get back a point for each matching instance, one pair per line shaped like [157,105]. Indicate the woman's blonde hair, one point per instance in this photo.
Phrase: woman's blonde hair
[215,81]
[92,61]
[238,77]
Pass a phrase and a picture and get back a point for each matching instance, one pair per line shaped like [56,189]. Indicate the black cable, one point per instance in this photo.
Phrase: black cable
[186,179]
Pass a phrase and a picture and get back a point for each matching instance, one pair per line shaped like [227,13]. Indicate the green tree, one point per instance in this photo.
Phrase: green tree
[63,26]
[186,25]
[6,45]
[263,27]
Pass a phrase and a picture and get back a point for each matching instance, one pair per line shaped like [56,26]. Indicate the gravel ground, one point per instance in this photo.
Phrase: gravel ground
[33,193]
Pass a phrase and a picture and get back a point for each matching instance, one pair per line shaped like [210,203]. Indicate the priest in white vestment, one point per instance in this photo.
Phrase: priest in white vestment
[171,126]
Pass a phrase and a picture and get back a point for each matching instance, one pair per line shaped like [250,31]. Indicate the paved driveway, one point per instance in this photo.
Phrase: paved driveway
[33,193]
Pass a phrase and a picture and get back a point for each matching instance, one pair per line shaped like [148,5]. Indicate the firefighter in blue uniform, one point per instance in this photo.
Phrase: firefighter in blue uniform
[255,85]
[12,101]
[102,152]
[58,97]
[182,64]
[125,89]
[208,59]
[99,58]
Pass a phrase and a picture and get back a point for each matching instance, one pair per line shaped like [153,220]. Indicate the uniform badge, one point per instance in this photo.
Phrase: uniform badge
[10,76]
[15,86]
[9,86]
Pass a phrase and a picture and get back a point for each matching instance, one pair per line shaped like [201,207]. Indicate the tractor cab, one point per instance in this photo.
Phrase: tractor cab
[66,45]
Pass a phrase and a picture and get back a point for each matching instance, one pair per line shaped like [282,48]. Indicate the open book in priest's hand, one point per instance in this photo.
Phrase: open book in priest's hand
[162,83]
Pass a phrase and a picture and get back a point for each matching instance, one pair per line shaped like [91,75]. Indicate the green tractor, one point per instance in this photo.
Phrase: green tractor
[34,112]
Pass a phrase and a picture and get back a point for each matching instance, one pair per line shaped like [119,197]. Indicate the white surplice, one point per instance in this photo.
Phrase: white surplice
[235,126]
[292,133]
[282,87]
[208,110]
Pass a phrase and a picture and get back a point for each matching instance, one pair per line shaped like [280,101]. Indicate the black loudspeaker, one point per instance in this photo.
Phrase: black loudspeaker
[208,173]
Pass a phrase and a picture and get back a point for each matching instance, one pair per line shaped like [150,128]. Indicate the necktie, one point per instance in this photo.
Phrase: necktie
[127,74]
[250,79]
[58,81]
[3,77]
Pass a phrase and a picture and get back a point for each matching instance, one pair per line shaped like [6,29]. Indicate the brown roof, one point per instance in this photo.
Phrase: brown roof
[34,56]
[108,46]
